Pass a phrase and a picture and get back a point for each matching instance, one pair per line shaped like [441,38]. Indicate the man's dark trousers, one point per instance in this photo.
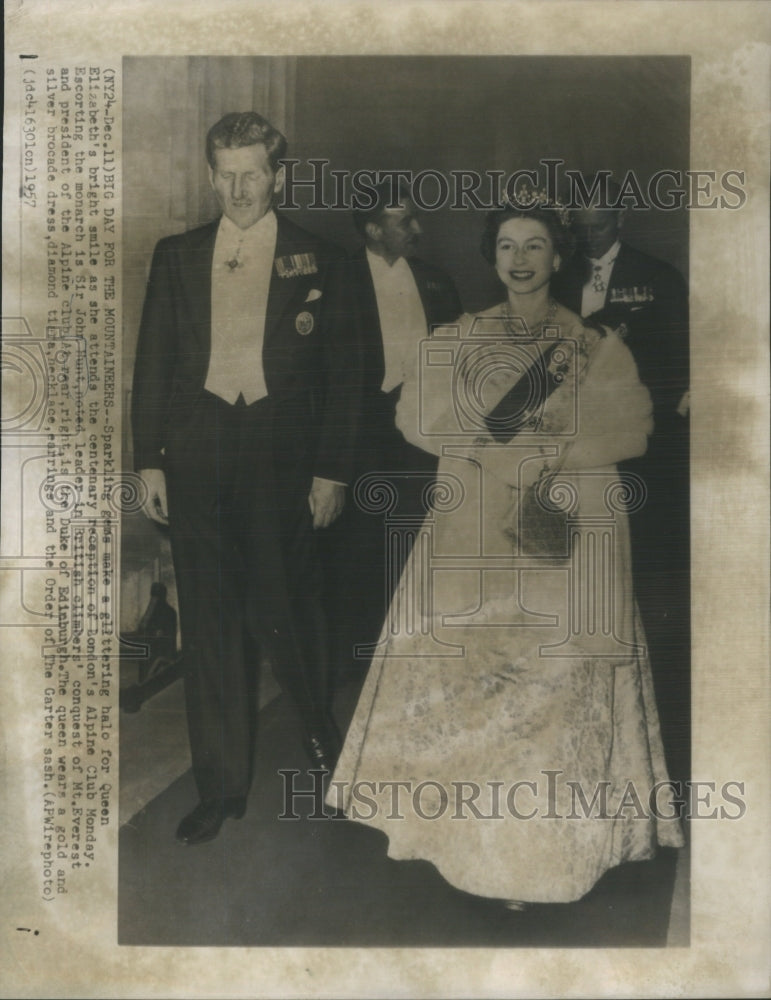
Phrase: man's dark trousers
[369,546]
[240,525]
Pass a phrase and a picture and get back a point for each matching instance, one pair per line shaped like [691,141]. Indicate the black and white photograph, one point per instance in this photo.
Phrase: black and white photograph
[384,564]
[409,412]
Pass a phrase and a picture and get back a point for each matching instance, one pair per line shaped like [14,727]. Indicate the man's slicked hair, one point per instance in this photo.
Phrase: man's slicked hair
[387,195]
[246,128]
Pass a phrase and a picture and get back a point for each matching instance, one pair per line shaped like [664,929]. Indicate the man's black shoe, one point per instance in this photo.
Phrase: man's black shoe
[204,822]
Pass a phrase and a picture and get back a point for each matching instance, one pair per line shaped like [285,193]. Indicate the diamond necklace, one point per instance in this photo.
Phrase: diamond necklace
[534,331]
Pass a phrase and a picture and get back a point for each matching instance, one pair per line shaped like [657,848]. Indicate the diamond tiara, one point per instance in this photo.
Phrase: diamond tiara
[528,197]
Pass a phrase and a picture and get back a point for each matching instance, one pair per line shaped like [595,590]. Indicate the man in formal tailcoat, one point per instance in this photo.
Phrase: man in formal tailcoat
[245,403]
[398,299]
[610,282]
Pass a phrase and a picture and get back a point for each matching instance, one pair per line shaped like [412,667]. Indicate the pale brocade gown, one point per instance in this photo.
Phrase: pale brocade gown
[509,710]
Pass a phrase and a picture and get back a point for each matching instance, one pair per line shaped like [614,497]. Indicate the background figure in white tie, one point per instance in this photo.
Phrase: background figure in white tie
[398,298]
[610,282]
[245,403]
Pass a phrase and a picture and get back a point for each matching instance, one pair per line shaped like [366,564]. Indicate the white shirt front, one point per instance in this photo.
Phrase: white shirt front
[596,288]
[240,281]
[402,319]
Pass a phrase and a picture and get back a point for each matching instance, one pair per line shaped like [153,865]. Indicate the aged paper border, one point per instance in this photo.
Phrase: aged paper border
[75,953]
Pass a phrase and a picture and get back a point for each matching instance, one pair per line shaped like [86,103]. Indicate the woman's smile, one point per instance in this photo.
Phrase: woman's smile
[524,255]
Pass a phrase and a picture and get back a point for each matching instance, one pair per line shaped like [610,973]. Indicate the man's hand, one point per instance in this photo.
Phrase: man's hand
[326,501]
[155,506]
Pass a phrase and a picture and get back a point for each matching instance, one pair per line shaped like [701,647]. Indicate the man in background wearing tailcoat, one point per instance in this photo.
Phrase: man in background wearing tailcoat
[608,281]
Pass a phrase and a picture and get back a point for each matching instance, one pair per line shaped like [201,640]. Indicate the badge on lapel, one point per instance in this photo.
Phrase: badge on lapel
[295,265]
[304,323]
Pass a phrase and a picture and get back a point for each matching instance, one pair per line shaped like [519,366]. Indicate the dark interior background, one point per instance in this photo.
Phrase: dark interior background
[495,113]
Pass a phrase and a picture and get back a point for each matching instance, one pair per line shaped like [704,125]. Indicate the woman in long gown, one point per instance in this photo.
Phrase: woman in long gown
[507,729]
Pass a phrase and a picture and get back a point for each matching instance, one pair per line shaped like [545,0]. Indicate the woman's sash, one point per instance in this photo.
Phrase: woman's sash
[520,407]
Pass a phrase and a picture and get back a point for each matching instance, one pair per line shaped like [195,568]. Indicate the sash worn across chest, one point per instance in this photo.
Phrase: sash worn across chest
[520,407]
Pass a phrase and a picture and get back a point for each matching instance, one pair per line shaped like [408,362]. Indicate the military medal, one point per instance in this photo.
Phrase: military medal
[633,295]
[304,324]
[295,265]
